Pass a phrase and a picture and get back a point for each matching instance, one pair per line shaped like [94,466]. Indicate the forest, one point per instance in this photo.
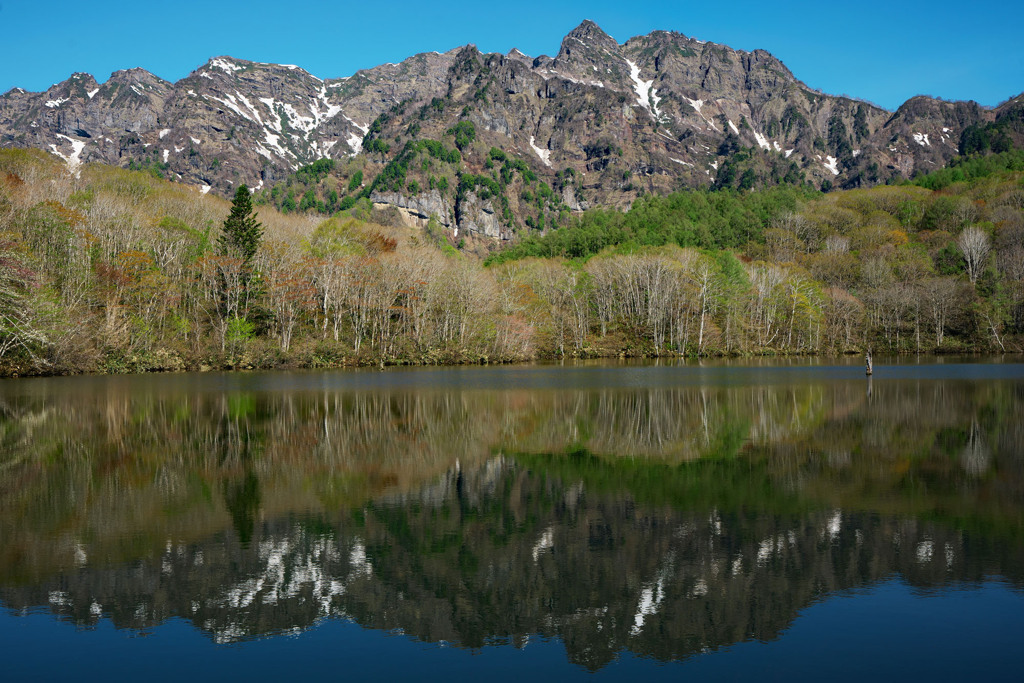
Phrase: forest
[115,270]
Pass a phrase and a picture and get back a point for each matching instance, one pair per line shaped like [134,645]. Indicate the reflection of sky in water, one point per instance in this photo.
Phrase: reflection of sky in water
[889,631]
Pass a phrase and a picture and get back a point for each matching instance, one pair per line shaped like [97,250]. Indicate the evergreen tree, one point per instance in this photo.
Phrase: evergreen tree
[242,233]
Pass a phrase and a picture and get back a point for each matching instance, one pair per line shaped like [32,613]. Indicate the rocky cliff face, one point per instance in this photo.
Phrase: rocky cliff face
[654,114]
[230,121]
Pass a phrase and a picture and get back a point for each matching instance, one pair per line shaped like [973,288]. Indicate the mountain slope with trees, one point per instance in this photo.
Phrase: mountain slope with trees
[113,270]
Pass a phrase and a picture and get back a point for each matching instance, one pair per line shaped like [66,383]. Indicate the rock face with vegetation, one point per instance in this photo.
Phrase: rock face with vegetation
[597,124]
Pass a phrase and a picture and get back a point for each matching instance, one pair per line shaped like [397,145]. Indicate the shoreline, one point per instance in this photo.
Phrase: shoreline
[346,363]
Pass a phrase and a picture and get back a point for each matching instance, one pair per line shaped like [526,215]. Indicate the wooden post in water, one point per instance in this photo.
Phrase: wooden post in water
[868,367]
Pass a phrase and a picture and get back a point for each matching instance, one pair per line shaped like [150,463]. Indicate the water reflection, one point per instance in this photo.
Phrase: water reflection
[664,521]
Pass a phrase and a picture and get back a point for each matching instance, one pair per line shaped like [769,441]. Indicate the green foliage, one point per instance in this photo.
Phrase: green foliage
[469,183]
[435,106]
[242,233]
[966,169]
[308,201]
[729,146]
[334,238]
[151,165]
[355,181]
[372,141]
[239,331]
[362,209]
[376,145]
[698,218]
[288,203]
[860,123]
[393,177]
[602,147]
[464,133]
[313,173]
[949,260]
[994,137]
[748,168]
[839,139]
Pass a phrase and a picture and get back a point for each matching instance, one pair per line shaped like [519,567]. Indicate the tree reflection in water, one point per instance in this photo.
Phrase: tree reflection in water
[664,522]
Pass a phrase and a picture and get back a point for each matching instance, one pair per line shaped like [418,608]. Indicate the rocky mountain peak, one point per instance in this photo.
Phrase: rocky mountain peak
[588,44]
[598,124]
[518,55]
[136,75]
[588,55]
[590,33]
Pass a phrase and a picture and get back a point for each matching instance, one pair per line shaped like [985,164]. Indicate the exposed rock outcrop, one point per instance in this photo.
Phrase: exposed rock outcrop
[655,113]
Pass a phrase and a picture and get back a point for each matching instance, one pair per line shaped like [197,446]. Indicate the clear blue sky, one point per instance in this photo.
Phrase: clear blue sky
[884,52]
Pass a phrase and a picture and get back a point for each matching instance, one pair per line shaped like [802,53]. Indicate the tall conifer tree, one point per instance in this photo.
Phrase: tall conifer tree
[242,233]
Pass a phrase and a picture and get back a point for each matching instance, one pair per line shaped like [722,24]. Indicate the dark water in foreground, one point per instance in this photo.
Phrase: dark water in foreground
[625,521]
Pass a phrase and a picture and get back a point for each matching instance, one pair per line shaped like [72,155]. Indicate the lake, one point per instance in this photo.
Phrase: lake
[611,520]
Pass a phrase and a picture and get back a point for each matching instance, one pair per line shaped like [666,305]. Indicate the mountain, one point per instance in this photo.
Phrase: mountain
[595,125]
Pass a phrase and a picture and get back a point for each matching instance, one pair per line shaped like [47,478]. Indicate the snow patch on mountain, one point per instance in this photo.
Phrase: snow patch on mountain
[643,90]
[544,154]
[269,101]
[296,120]
[73,160]
[225,64]
[231,104]
[272,140]
[355,143]
[365,129]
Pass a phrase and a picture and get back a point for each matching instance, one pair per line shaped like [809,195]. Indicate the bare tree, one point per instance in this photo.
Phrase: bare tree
[974,244]
[940,299]
[603,275]
[17,328]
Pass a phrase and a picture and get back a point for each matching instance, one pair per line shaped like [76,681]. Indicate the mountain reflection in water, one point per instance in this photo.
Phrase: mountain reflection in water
[663,521]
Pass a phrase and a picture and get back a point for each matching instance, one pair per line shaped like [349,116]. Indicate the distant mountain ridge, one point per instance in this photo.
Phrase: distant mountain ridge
[598,123]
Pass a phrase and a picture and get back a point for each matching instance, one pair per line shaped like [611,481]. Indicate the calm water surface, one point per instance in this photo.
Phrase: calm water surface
[718,520]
